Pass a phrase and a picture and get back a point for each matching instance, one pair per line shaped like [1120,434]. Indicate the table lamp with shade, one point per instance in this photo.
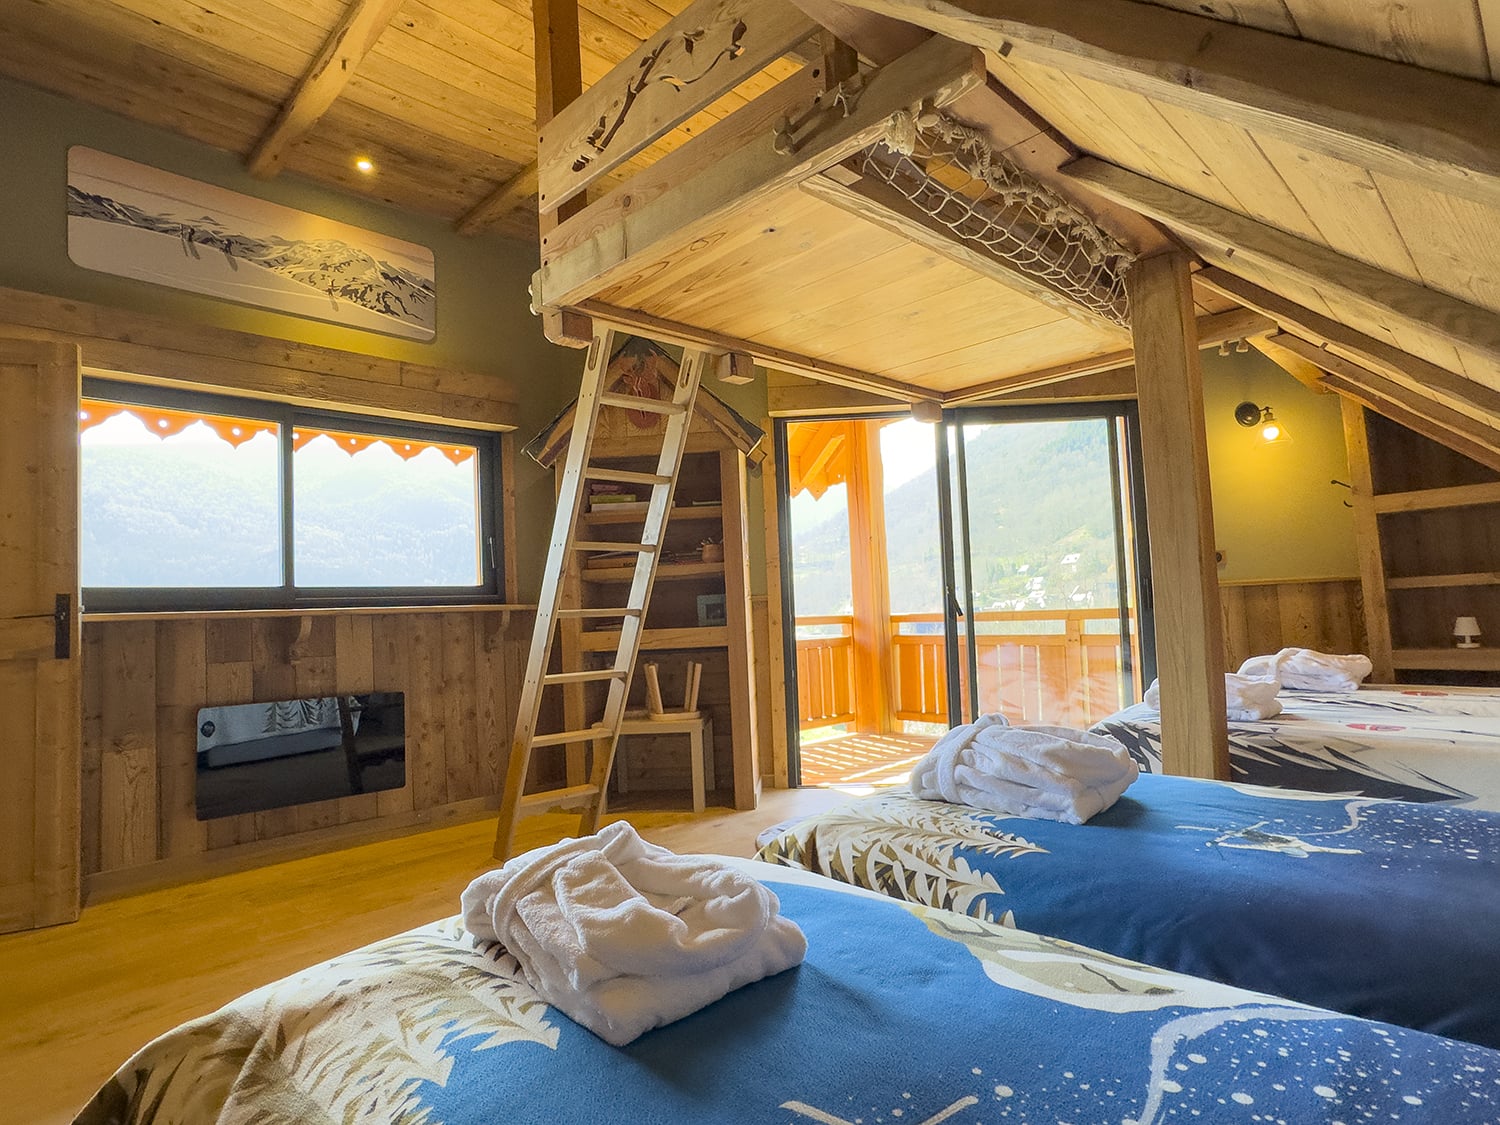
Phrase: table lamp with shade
[1466,629]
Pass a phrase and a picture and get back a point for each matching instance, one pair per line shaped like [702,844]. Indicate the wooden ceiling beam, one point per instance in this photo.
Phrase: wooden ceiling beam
[1419,415]
[505,200]
[1368,352]
[1423,125]
[1225,237]
[319,87]
[1306,373]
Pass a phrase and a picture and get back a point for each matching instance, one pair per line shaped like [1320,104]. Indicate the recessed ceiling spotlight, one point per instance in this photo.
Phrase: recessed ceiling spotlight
[364,164]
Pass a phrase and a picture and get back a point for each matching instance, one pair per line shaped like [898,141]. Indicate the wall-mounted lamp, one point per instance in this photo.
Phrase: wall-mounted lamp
[1271,431]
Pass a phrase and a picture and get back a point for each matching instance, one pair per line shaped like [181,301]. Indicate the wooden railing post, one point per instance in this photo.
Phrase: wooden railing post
[1078,676]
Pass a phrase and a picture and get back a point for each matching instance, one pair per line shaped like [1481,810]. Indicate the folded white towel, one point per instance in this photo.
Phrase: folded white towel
[1052,773]
[623,936]
[1303,669]
[1247,699]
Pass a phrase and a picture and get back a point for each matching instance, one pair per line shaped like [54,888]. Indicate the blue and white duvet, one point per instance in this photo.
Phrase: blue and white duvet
[1434,744]
[900,1015]
[1385,909]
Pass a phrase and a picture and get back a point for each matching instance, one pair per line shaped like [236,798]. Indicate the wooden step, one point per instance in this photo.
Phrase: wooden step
[560,798]
[562,738]
[588,675]
[623,611]
[625,476]
[644,405]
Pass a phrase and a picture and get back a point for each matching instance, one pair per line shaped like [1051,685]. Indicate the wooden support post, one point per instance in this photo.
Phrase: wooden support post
[559,80]
[1367,543]
[743,731]
[1189,644]
[870,582]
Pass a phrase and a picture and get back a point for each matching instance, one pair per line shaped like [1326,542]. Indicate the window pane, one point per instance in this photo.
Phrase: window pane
[177,498]
[379,511]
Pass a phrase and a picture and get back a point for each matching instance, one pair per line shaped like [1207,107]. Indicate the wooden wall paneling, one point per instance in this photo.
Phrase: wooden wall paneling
[181,688]
[1190,650]
[426,741]
[354,674]
[744,743]
[128,767]
[389,661]
[92,747]
[460,715]
[230,676]
[494,701]
[314,671]
[273,678]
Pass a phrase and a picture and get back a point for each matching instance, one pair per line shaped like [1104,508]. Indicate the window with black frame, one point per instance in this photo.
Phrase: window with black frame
[196,501]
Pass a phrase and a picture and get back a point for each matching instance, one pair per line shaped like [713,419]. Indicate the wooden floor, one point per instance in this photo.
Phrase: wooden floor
[76,1001]
[856,761]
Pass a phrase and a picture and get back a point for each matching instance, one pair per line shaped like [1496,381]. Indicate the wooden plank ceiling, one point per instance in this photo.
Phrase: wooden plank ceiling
[443,102]
[440,95]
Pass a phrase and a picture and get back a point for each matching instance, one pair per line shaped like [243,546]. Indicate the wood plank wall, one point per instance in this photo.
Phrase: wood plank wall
[145,680]
[1264,617]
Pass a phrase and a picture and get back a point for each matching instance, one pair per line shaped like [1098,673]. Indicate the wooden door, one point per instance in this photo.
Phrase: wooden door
[39,680]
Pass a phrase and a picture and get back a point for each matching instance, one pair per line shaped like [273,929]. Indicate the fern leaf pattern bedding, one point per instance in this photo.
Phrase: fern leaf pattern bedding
[899,1014]
[1439,745]
[1385,909]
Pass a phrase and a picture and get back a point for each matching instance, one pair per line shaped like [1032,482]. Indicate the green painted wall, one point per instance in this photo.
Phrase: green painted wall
[484,323]
[1276,514]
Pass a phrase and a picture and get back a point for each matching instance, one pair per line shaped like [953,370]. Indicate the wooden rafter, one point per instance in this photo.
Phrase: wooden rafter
[1443,423]
[1224,237]
[1305,372]
[1393,363]
[506,199]
[342,52]
[1423,125]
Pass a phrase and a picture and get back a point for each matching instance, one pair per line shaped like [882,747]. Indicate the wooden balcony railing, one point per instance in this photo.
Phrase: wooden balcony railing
[825,672]
[1035,666]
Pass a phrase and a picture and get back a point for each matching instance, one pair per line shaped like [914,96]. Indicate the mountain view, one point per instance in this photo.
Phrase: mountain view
[1041,524]
[200,514]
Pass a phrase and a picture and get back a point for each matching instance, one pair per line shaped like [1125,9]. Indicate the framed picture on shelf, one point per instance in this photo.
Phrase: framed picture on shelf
[711,610]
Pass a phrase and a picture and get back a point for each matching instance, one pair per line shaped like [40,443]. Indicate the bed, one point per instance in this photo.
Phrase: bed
[899,1014]
[1386,909]
[1414,744]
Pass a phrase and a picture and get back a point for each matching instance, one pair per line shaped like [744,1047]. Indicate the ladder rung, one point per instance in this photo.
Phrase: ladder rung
[561,738]
[644,405]
[625,476]
[623,611]
[572,795]
[605,545]
[584,677]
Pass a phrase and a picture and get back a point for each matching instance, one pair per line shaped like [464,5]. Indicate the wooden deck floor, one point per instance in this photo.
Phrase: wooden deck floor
[862,760]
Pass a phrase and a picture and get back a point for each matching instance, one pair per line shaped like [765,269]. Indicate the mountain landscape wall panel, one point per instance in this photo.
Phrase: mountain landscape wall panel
[139,222]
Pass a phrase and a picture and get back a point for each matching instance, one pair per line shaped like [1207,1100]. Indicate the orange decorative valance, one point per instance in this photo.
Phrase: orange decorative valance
[164,423]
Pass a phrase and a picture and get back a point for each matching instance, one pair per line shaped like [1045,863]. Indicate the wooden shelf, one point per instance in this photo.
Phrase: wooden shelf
[681,512]
[665,572]
[608,640]
[1429,581]
[1428,499]
[1442,659]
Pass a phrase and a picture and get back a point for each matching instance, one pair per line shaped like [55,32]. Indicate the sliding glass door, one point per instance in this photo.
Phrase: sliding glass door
[1041,512]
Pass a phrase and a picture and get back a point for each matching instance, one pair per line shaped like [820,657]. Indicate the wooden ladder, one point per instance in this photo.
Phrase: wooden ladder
[565,545]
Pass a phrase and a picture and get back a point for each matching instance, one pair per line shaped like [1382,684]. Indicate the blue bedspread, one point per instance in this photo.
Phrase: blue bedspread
[1385,909]
[900,1015]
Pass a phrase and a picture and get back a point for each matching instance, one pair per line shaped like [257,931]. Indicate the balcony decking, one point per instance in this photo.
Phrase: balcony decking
[859,761]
